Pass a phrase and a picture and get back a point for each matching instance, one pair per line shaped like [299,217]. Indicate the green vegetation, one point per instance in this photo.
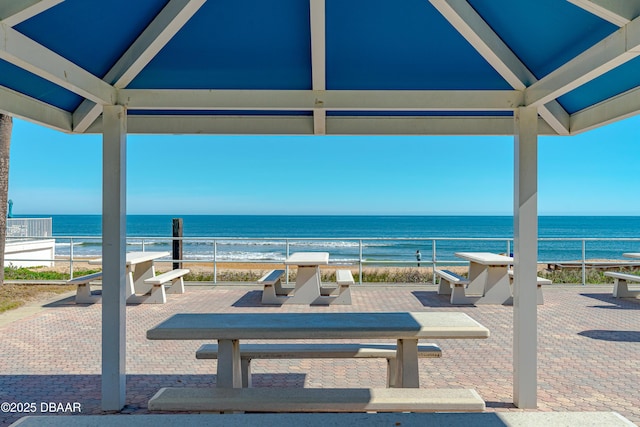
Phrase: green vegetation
[384,275]
[369,276]
[22,273]
[225,276]
[574,275]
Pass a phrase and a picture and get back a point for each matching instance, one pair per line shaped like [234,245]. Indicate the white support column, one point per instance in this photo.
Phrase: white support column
[525,247]
[114,119]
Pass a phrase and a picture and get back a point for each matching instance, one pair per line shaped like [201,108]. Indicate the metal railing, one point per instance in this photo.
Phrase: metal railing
[442,250]
[29,227]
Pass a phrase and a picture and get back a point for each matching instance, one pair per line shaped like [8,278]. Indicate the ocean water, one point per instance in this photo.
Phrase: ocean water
[384,239]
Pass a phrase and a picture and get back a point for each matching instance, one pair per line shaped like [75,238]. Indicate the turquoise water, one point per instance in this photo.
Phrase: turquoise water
[346,230]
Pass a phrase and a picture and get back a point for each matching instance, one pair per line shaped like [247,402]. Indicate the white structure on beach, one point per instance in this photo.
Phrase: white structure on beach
[27,244]
[320,67]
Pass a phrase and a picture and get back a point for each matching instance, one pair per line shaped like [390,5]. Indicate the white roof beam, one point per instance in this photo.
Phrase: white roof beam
[336,100]
[168,22]
[491,47]
[301,125]
[613,51]
[25,53]
[617,12]
[318,59]
[617,108]
[13,12]
[495,126]
[23,107]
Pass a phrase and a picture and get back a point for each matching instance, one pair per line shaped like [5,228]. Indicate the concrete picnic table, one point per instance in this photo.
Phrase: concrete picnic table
[139,266]
[308,279]
[488,277]
[405,327]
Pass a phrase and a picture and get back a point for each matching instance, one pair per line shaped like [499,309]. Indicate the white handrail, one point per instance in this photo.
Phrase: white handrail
[360,260]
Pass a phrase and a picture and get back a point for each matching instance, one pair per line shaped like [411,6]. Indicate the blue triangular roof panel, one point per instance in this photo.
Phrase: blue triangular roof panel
[375,45]
[544,34]
[241,44]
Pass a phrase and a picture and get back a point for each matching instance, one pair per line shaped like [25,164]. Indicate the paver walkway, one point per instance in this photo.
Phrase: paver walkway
[588,341]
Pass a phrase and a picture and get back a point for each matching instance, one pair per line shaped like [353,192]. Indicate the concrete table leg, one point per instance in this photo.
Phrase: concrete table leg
[407,372]
[477,279]
[140,272]
[497,288]
[307,289]
[229,373]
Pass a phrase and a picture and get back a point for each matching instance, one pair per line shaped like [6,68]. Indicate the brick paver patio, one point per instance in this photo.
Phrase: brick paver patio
[589,344]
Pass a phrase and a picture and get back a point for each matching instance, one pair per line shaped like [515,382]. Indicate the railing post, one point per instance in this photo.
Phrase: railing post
[360,261]
[70,259]
[286,255]
[434,261]
[584,261]
[215,262]
[177,243]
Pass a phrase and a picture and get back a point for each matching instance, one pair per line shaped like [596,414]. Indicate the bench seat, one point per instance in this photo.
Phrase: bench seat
[540,281]
[269,399]
[621,284]
[448,280]
[342,293]
[158,294]
[83,290]
[453,284]
[344,277]
[249,352]
[273,291]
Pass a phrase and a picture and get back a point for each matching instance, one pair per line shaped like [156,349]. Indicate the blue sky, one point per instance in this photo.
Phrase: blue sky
[594,173]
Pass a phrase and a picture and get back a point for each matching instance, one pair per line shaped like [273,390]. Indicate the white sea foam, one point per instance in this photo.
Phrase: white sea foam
[299,243]
[76,243]
[146,242]
[237,256]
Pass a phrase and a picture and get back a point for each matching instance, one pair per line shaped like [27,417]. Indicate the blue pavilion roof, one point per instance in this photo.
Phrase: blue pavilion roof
[320,66]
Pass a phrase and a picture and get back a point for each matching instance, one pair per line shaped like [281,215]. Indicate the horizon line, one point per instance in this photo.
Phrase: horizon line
[23,216]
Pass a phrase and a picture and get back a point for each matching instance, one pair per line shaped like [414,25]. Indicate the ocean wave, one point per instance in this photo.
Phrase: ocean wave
[300,243]
[146,242]
[320,244]
[338,244]
[77,243]
[240,256]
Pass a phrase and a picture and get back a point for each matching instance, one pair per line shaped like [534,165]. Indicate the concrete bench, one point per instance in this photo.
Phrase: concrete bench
[453,284]
[271,399]
[449,280]
[83,290]
[173,278]
[540,281]
[273,291]
[317,351]
[342,293]
[621,284]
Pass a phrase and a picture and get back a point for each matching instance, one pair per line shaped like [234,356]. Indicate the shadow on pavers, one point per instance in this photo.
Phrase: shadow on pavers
[614,303]
[620,336]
